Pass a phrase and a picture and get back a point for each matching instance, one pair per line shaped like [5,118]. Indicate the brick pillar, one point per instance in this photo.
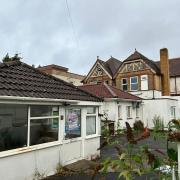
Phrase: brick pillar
[164,65]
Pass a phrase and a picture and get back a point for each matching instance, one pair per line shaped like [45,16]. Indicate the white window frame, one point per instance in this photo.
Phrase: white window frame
[134,83]
[122,84]
[137,112]
[96,124]
[129,108]
[120,112]
[41,117]
[173,112]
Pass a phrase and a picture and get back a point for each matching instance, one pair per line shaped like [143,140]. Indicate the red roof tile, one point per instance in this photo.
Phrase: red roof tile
[106,91]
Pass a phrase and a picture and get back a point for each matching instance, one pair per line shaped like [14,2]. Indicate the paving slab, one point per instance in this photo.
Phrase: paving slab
[80,166]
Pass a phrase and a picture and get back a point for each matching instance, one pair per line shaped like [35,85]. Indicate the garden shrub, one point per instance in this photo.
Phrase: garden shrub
[158,123]
[138,125]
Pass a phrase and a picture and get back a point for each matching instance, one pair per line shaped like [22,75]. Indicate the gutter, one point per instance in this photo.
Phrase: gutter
[37,99]
[120,99]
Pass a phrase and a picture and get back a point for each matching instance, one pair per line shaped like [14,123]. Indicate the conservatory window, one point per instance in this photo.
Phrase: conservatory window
[13,126]
[73,123]
[44,124]
[91,121]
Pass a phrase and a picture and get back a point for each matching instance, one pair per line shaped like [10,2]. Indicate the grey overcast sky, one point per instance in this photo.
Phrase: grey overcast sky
[41,30]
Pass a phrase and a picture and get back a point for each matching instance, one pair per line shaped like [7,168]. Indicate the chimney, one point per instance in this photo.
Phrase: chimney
[164,66]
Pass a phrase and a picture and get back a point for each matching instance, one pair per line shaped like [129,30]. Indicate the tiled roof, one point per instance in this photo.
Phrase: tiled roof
[106,91]
[111,65]
[22,80]
[174,66]
[136,55]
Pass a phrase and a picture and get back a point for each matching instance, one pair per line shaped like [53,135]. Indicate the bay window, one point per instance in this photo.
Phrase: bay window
[91,121]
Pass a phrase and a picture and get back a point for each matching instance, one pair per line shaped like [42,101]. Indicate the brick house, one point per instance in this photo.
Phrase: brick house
[139,75]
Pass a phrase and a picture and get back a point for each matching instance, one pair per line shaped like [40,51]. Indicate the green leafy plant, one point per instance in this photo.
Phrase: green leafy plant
[158,123]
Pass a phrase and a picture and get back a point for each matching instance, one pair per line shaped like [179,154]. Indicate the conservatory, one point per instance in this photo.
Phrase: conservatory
[44,122]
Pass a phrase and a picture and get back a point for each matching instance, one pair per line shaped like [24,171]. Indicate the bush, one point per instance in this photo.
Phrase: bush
[158,123]
[138,125]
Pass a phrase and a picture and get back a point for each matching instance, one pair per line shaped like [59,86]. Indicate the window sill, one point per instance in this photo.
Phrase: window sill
[28,149]
[92,136]
[130,118]
[66,141]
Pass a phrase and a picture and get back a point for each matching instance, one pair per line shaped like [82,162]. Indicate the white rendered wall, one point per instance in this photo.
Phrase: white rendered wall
[111,108]
[159,107]
[24,165]
[147,94]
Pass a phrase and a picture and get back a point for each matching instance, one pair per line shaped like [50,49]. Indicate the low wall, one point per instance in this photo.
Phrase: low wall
[39,161]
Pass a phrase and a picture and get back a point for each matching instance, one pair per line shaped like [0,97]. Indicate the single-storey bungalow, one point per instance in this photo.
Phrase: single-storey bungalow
[44,122]
[120,106]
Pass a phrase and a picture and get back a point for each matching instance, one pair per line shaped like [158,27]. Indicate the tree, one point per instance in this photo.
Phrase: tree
[6,58]
[13,58]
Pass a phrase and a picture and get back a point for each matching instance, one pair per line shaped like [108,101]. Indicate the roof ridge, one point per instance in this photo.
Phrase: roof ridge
[124,91]
[110,90]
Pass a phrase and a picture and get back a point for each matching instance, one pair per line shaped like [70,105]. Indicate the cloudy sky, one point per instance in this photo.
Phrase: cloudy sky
[43,32]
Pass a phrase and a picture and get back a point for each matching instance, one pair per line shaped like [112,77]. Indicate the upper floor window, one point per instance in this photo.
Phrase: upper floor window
[124,84]
[134,83]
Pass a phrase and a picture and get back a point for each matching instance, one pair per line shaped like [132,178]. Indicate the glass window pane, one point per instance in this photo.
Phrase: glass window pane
[43,131]
[91,110]
[133,79]
[125,87]
[90,125]
[119,111]
[73,123]
[42,111]
[124,81]
[13,126]
[134,86]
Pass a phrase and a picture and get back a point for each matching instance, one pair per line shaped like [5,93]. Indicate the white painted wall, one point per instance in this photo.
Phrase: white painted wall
[160,107]
[24,164]
[111,108]
[147,94]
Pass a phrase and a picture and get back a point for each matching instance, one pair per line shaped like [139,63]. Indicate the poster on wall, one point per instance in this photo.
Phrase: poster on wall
[73,121]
